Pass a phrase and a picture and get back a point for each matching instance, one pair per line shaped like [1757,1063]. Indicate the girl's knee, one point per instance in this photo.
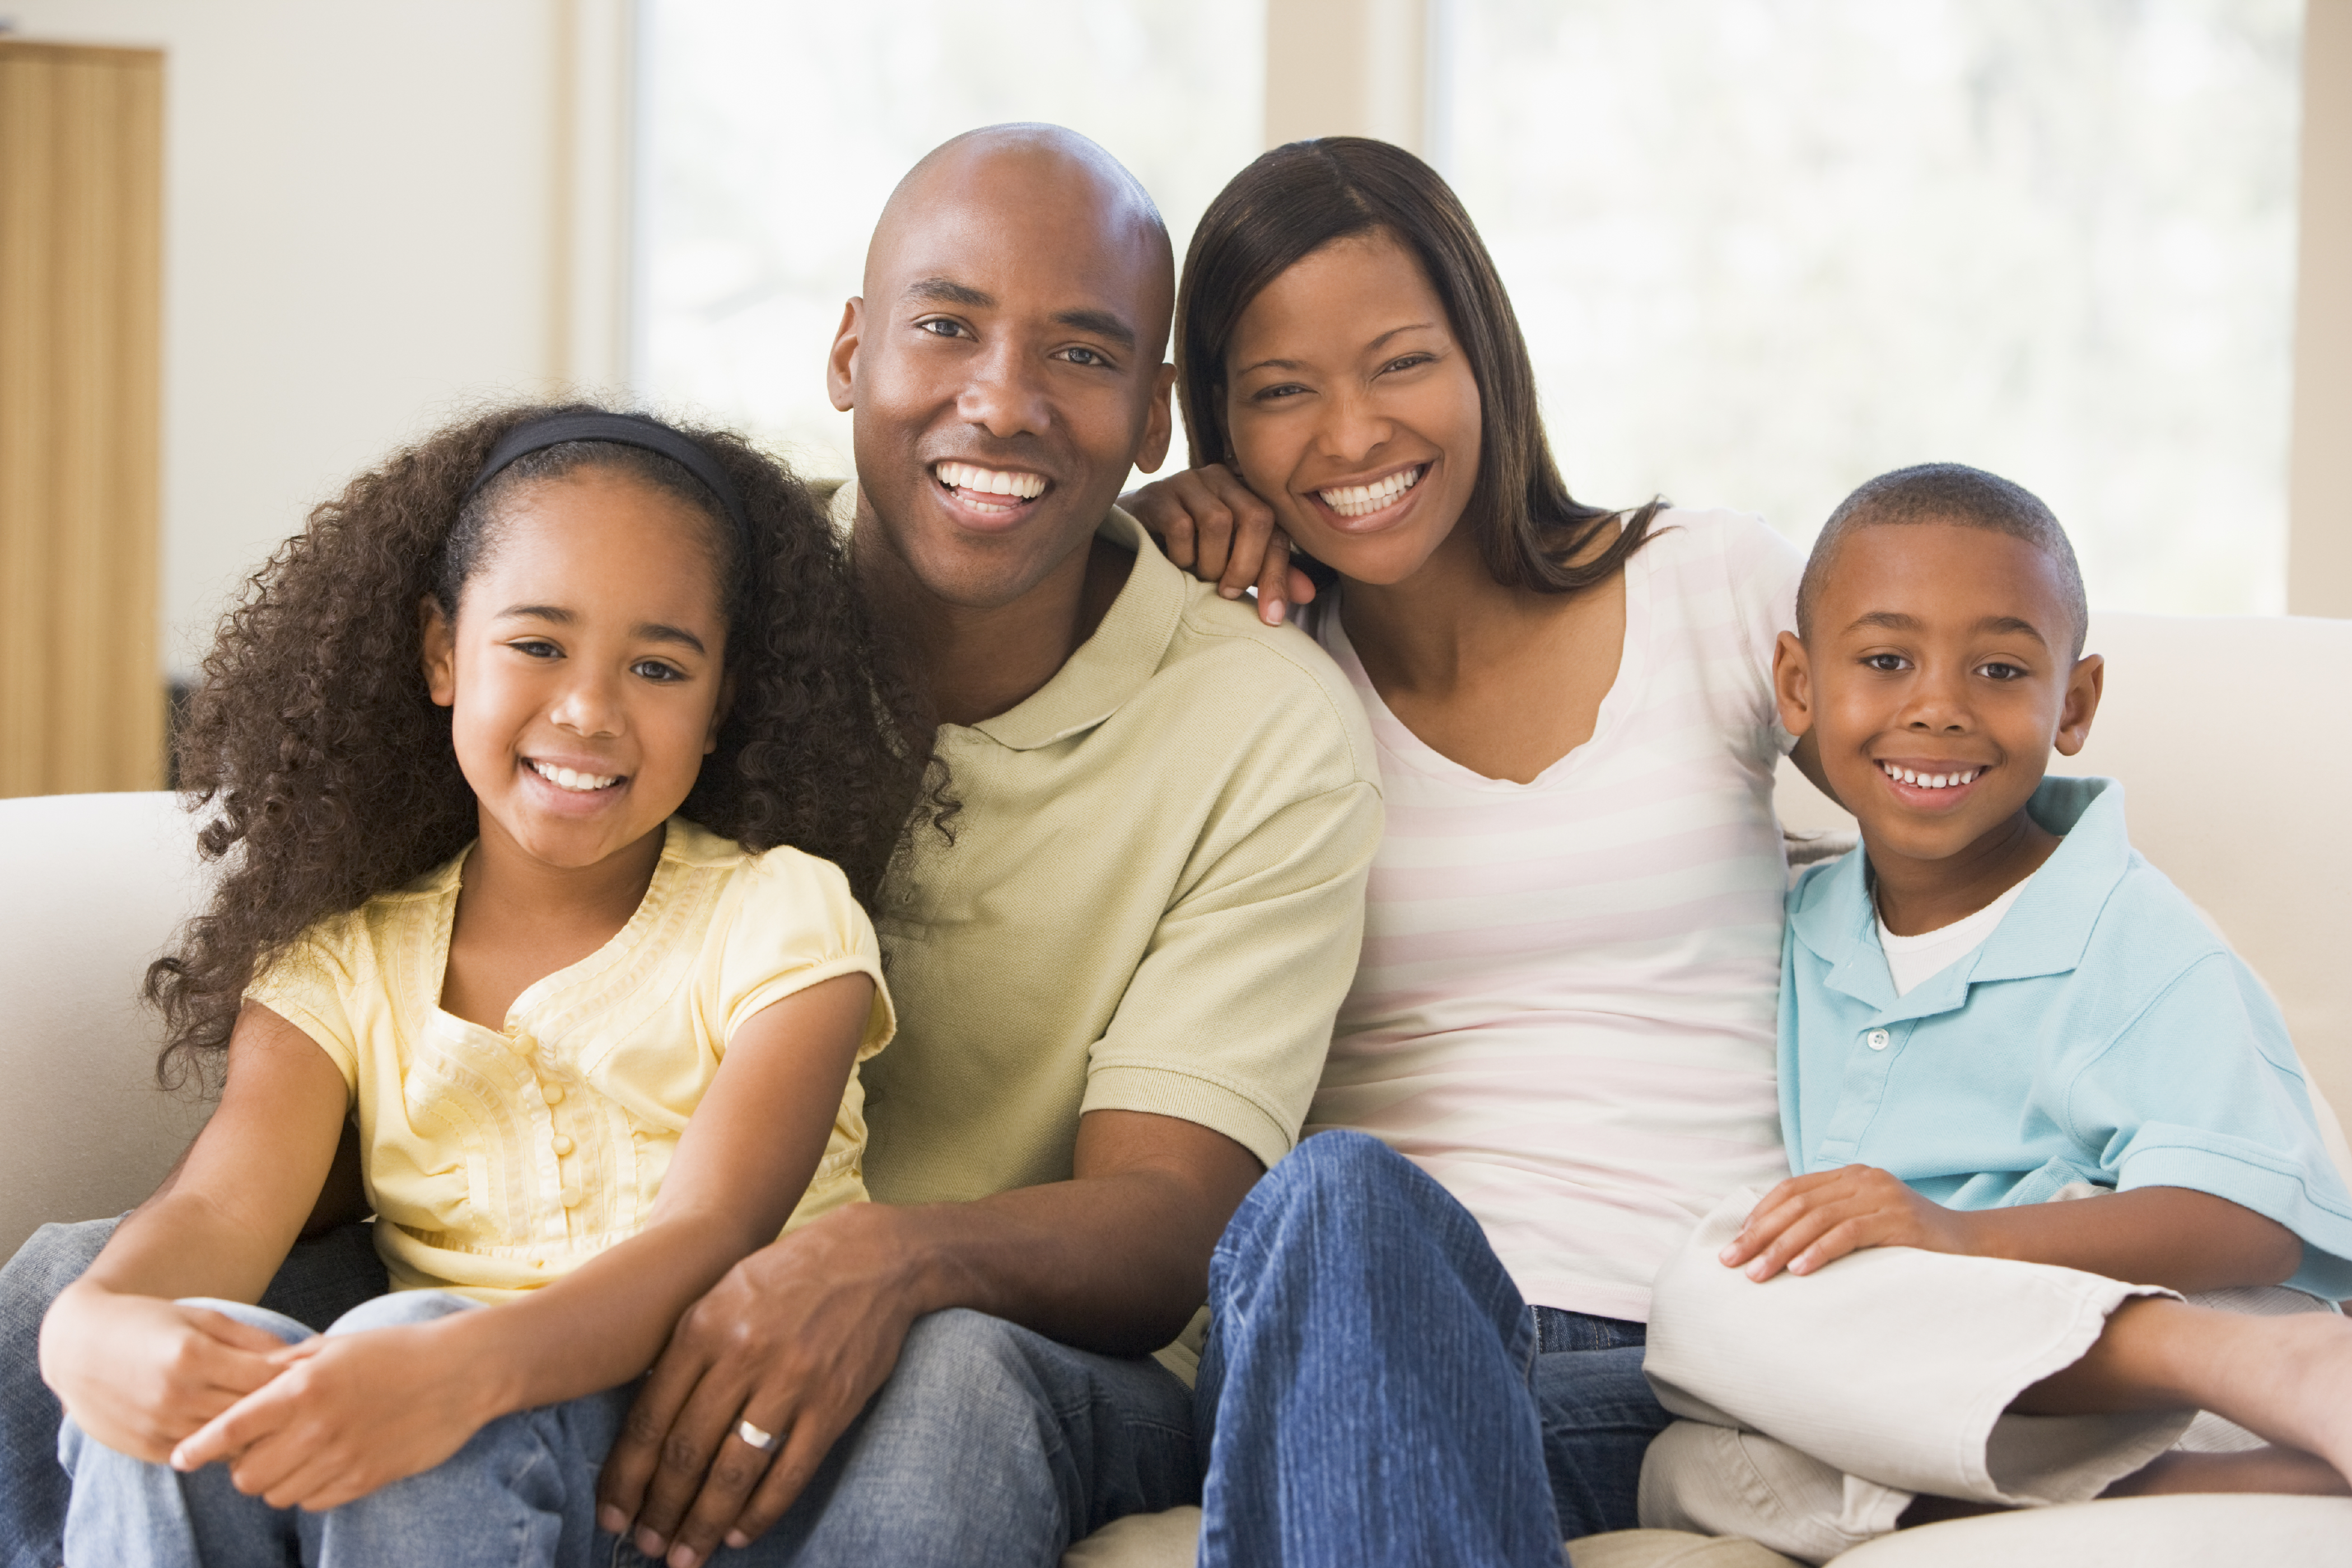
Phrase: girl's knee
[288,1329]
[401,1307]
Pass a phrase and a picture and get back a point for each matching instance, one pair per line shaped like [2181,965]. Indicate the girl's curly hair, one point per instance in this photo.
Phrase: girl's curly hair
[329,771]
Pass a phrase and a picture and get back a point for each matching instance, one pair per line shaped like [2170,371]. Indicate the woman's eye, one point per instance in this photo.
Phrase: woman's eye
[1287,389]
[655,669]
[1408,362]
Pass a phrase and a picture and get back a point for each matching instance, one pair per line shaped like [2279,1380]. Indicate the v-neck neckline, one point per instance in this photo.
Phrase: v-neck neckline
[531,996]
[1623,698]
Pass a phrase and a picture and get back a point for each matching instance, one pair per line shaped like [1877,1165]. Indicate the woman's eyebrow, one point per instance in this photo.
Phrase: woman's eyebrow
[1408,327]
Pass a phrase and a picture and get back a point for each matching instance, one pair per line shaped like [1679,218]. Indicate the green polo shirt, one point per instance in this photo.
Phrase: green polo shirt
[1153,900]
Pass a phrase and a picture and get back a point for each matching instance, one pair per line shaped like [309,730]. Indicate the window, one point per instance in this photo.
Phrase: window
[1765,248]
[773,134]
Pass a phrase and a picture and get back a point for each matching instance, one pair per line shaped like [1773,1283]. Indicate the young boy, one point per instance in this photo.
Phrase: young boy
[1993,1004]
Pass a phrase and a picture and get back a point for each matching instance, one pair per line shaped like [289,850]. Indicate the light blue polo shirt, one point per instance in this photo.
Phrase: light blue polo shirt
[2102,1034]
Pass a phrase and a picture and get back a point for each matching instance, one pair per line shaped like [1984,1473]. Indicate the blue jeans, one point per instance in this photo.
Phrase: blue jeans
[990,1444]
[1374,1391]
[521,1490]
[320,1281]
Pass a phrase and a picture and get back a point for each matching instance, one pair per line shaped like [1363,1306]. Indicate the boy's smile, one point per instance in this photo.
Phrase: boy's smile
[1937,676]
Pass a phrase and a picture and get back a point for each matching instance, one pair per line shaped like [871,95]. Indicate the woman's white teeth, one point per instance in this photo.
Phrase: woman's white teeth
[564,778]
[991,482]
[1929,780]
[1357,501]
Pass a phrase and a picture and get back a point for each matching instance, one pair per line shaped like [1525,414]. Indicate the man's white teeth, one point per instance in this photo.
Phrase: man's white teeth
[1360,500]
[564,778]
[991,482]
[1929,780]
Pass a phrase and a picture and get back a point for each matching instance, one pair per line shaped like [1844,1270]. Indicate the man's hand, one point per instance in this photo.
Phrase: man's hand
[1808,1221]
[139,1373]
[346,1415]
[794,1339]
[1217,528]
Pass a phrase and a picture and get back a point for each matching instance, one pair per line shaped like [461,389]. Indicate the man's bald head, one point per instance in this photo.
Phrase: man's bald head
[1047,179]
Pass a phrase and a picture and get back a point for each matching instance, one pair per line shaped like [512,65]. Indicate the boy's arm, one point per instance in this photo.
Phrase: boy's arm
[2186,1241]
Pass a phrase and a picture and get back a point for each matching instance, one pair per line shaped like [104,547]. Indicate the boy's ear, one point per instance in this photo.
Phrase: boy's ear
[440,651]
[2083,686]
[841,365]
[1792,684]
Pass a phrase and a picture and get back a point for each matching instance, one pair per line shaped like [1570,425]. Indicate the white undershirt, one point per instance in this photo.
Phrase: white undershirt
[1914,959]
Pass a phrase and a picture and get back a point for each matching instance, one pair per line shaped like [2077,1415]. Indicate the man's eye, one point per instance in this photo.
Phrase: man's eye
[939,327]
[1085,356]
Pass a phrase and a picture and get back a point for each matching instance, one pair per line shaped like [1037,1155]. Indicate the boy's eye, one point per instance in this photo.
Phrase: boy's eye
[1888,663]
[2000,669]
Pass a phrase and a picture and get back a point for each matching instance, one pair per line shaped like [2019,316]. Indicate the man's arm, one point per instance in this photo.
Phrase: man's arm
[798,1336]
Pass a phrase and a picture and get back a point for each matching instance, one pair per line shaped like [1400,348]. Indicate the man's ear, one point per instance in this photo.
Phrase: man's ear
[1159,423]
[840,365]
[440,655]
[719,712]
[2084,688]
[1792,684]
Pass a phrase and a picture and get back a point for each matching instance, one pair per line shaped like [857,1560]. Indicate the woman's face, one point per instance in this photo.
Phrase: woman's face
[1352,409]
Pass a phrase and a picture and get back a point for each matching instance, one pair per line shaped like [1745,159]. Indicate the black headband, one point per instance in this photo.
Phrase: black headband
[622,429]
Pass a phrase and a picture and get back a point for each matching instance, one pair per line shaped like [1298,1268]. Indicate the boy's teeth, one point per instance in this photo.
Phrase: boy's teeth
[1357,501]
[991,481]
[564,778]
[1930,780]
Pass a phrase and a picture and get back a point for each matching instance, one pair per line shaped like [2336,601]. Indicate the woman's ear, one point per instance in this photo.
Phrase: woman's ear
[2084,688]
[440,650]
[1792,684]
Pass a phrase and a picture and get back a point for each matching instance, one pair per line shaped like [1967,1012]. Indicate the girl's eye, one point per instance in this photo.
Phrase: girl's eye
[655,669]
[1888,663]
[536,648]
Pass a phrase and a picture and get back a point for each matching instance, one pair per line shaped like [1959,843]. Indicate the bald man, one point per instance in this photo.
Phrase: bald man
[1116,986]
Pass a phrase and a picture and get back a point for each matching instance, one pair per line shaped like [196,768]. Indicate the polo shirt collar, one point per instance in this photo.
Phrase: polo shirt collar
[2044,933]
[1111,665]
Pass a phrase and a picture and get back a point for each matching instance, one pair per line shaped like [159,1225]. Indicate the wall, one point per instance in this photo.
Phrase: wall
[361,232]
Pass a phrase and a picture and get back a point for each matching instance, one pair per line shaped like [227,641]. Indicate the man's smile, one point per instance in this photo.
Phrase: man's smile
[990,495]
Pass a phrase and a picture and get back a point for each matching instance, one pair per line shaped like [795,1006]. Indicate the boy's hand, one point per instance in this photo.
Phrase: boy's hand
[1808,1221]
[139,1373]
[346,1415]
[1216,528]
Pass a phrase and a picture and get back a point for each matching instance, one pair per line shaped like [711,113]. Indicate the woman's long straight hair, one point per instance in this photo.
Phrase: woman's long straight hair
[1299,198]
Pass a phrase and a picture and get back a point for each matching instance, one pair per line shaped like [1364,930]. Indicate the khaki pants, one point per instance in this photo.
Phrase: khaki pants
[1816,1408]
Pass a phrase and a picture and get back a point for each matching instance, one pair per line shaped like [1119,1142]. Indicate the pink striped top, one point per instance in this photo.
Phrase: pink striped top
[1566,1005]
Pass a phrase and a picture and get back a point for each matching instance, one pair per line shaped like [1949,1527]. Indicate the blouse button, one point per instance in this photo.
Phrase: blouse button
[553,1093]
[562,1145]
[1876,1039]
[522,1045]
[570,1196]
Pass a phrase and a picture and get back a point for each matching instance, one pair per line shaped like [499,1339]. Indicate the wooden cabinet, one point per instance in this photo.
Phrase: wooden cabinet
[81,154]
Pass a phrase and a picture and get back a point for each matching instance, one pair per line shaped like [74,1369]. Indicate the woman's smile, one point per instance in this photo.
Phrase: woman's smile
[1369,505]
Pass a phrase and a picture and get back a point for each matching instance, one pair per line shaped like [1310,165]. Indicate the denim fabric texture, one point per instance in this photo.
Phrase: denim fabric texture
[521,1490]
[1375,1391]
[990,1446]
[319,1281]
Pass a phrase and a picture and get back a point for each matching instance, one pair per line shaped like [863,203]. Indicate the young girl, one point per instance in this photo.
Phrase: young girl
[526,761]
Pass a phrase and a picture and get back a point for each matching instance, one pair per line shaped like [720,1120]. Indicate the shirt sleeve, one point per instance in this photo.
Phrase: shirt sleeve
[798,925]
[307,986]
[1228,1019]
[2203,1091]
[1764,569]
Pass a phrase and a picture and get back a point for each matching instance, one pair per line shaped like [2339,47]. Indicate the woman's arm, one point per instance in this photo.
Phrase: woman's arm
[139,1372]
[355,1412]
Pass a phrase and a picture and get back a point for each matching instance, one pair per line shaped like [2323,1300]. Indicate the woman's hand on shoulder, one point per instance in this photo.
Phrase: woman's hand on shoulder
[1216,528]
[347,1414]
[139,1373]
[1809,1221]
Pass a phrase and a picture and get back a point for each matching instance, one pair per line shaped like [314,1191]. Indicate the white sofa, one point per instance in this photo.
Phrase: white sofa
[2230,735]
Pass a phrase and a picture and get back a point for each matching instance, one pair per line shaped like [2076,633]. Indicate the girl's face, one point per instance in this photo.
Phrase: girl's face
[585,671]
[1352,409]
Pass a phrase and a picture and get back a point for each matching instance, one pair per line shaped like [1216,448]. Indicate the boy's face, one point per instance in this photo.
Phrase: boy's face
[1937,679]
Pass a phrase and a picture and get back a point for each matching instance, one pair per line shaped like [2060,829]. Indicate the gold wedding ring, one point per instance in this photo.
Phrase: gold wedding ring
[763,1441]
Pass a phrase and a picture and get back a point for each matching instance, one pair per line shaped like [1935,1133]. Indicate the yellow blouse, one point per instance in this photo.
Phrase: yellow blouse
[500,1160]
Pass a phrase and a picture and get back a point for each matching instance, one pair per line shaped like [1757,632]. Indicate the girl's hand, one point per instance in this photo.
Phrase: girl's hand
[1808,1221]
[139,1373]
[1214,526]
[347,1414]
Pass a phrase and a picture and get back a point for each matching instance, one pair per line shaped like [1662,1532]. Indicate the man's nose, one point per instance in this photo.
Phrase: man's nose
[1007,394]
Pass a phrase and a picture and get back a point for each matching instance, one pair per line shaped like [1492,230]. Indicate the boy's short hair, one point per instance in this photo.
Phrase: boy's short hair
[1954,493]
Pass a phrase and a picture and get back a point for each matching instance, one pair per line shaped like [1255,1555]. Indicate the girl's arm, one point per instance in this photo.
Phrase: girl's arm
[1215,527]
[2187,1241]
[137,1372]
[355,1412]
